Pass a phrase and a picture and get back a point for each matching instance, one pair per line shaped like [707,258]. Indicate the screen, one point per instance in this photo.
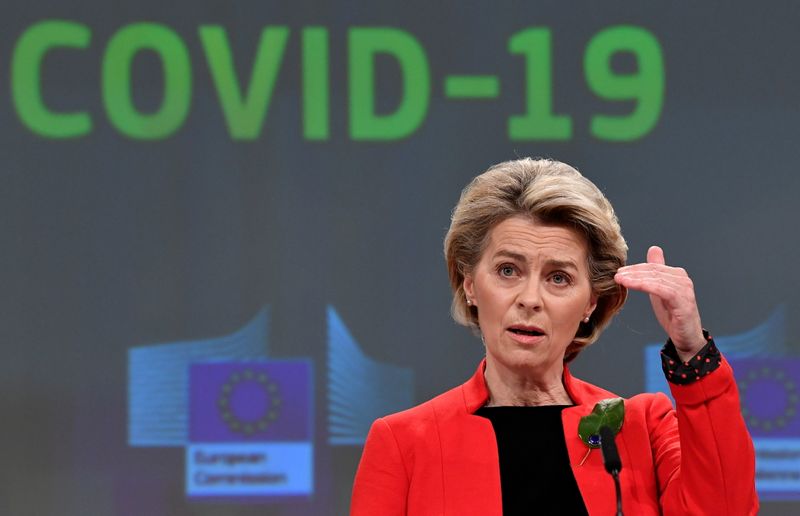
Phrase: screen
[223,226]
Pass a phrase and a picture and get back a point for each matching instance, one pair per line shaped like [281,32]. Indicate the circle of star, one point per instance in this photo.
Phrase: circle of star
[234,423]
[789,412]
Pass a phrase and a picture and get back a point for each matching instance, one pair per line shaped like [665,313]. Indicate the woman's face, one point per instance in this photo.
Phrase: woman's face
[531,288]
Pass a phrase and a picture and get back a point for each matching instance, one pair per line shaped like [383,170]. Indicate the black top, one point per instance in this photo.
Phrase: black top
[535,475]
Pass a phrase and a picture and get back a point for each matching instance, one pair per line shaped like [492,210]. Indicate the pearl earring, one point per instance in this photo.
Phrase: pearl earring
[586,319]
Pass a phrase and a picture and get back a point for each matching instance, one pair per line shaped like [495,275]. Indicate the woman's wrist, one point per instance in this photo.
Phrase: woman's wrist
[683,369]
[686,352]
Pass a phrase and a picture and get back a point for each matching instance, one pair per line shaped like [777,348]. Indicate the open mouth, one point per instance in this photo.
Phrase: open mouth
[532,332]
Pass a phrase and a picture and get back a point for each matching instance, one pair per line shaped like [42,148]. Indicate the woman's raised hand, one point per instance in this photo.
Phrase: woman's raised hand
[672,296]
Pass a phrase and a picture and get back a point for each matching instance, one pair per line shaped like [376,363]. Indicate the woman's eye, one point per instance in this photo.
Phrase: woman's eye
[507,271]
[560,278]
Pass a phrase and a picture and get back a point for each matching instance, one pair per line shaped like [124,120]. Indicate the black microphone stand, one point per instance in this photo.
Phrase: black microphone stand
[611,461]
[615,475]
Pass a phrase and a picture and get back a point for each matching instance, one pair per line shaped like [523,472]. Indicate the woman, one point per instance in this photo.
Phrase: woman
[537,267]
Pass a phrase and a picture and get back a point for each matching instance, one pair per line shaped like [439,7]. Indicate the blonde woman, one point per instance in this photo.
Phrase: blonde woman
[537,267]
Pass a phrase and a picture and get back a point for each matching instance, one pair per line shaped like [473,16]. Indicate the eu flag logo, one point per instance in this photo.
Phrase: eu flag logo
[250,430]
[770,392]
[250,401]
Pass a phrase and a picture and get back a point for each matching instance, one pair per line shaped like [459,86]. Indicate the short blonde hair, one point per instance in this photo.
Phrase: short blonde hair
[550,192]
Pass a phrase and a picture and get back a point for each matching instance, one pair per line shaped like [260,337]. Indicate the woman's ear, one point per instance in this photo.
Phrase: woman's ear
[469,288]
[592,304]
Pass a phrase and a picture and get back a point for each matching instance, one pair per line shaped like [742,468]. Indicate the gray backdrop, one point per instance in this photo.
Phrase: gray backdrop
[113,242]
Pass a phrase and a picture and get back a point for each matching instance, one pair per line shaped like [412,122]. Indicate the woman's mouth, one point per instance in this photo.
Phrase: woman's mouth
[526,334]
[526,330]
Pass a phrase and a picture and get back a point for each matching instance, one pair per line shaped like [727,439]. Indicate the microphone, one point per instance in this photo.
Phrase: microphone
[610,454]
[611,461]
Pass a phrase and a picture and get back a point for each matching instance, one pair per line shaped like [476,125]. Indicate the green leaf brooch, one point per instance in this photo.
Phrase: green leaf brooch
[609,412]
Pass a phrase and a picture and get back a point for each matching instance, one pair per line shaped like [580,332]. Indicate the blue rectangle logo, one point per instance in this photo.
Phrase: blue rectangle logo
[250,401]
[227,470]
[250,430]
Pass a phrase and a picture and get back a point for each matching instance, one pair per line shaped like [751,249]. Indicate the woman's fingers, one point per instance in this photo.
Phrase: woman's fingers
[655,255]
[656,282]
[672,295]
[654,268]
[665,288]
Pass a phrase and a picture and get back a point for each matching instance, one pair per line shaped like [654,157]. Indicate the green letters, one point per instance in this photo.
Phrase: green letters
[245,99]
[365,123]
[316,84]
[26,78]
[116,80]
[244,114]
[645,86]
[539,122]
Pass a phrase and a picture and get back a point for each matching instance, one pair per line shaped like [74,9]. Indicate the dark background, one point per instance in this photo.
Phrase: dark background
[111,242]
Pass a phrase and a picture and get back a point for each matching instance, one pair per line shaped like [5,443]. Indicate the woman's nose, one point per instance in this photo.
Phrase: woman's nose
[530,295]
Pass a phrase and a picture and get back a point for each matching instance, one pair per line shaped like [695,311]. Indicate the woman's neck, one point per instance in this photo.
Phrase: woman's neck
[510,387]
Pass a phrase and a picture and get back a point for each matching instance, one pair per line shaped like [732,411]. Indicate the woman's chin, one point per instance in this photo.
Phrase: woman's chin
[527,361]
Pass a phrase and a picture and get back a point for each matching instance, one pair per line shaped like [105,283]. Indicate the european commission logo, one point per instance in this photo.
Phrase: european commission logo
[770,393]
[245,419]
[250,429]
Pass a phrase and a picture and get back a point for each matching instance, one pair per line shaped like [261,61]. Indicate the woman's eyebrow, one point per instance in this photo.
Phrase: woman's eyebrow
[510,254]
[550,262]
[561,264]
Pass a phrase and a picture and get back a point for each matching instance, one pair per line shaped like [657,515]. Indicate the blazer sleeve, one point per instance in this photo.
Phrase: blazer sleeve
[703,454]
[381,483]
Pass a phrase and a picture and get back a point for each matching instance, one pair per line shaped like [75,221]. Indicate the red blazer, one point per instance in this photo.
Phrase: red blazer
[439,458]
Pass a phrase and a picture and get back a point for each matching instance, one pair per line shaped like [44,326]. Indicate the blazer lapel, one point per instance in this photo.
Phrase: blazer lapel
[470,464]
[595,484]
